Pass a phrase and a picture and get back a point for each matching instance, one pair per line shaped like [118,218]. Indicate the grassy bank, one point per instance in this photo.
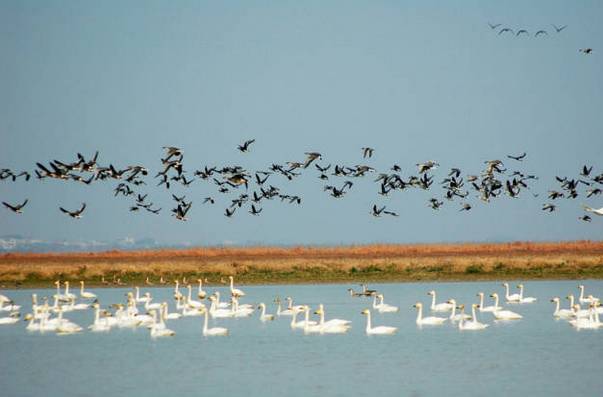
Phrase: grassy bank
[264,265]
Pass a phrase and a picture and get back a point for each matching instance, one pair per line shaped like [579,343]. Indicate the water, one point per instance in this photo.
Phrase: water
[536,356]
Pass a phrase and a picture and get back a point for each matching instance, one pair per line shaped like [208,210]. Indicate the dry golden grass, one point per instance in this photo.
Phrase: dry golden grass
[311,264]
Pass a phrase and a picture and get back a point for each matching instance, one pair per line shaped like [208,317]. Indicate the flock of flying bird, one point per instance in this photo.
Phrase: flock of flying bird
[504,30]
[252,188]
[50,318]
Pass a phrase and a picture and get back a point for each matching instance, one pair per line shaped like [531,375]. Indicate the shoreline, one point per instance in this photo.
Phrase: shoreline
[306,265]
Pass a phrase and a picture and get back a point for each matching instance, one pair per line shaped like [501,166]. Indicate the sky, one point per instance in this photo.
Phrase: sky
[416,80]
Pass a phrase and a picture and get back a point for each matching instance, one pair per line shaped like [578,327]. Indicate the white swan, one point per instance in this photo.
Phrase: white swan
[216,312]
[440,307]
[381,330]
[562,313]
[280,311]
[578,311]
[158,329]
[457,317]
[472,325]
[65,326]
[220,305]
[13,318]
[216,331]
[68,294]
[99,325]
[523,299]
[240,310]
[140,299]
[10,307]
[169,316]
[427,320]
[263,316]
[150,306]
[302,323]
[589,299]
[60,296]
[177,293]
[201,294]
[234,291]
[383,307]
[593,210]
[336,322]
[483,308]
[515,298]
[504,314]
[592,322]
[191,302]
[86,294]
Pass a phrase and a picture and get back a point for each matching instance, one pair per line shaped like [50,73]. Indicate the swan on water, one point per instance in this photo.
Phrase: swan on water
[13,318]
[431,320]
[99,325]
[483,308]
[201,294]
[383,307]
[562,313]
[216,331]
[589,299]
[380,330]
[457,317]
[472,325]
[86,294]
[439,307]
[263,316]
[523,299]
[234,291]
[301,324]
[158,329]
[515,298]
[504,314]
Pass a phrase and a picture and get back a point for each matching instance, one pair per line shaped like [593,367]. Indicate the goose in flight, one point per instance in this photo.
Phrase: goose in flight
[426,166]
[245,146]
[518,158]
[550,207]
[522,31]
[506,30]
[18,208]
[593,210]
[367,152]
[311,157]
[585,218]
[541,32]
[586,170]
[254,211]
[74,214]
[493,26]
[559,29]
[586,51]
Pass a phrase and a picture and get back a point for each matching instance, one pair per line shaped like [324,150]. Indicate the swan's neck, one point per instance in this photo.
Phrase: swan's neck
[557,306]
[189,293]
[322,317]
[66,289]
[453,311]
[374,301]
[82,289]
[368,322]
[473,314]
[307,316]
[290,304]
[293,318]
[433,300]
[137,293]
[263,313]
[481,300]
[96,315]
[496,301]
[231,284]
[278,308]
[507,291]
[581,293]
[205,322]
[571,299]
[521,292]
[420,313]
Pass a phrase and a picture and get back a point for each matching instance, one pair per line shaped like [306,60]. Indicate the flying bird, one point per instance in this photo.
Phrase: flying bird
[541,32]
[518,158]
[506,30]
[493,26]
[74,214]
[18,209]
[522,31]
[367,152]
[245,146]
[593,210]
[559,29]
[586,51]
[585,218]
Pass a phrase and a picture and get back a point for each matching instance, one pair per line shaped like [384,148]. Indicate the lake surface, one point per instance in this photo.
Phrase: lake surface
[535,356]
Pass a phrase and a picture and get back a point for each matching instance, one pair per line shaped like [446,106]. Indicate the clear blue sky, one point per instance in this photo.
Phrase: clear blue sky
[416,80]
